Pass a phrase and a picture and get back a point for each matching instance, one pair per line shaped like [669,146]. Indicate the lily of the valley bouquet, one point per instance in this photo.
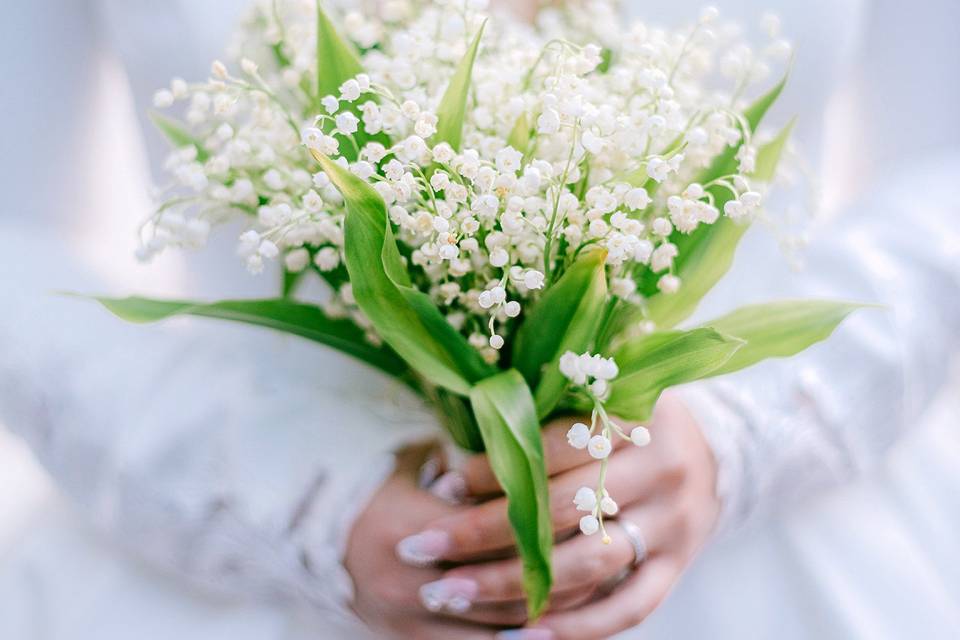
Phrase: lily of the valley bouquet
[510,219]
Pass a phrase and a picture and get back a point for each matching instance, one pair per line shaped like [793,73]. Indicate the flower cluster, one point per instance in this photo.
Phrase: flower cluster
[567,145]
[592,373]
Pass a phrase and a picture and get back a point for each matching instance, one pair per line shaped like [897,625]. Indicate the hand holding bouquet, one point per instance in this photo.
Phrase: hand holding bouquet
[511,220]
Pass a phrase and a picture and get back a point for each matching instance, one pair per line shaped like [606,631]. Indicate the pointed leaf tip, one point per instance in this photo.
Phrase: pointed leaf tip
[453,106]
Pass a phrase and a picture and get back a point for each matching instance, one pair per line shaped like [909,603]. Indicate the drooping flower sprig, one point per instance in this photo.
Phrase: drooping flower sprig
[591,375]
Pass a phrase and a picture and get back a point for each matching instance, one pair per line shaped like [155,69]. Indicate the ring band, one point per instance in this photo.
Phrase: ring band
[635,536]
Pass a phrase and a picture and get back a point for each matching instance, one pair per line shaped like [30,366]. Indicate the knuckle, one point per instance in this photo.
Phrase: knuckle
[679,520]
[501,584]
[617,553]
[469,531]
[476,531]
[515,615]
[676,528]
[511,584]
[555,442]
[673,471]
[588,569]
[562,509]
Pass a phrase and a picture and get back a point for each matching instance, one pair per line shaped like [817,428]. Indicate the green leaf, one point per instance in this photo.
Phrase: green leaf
[758,109]
[768,156]
[638,177]
[779,329]
[606,59]
[178,135]
[704,258]
[456,416]
[566,318]
[279,56]
[650,364]
[304,320]
[406,318]
[726,162]
[519,137]
[291,280]
[706,254]
[453,105]
[337,60]
[511,432]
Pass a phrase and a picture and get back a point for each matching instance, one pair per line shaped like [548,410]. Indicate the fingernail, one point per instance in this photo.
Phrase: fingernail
[451,487]
[453,594]
[429,472]
[423,549]
[525,634]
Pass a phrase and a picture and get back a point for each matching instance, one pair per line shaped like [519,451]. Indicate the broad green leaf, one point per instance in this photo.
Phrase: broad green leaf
[779,329]
[304,320]
[758,109]
[511,432]
[704,258]
[456,416]
[566,318]
[406,318]
[650,364]
[768,156]
[337,60]
[453,105]
[178,135]
[706,254]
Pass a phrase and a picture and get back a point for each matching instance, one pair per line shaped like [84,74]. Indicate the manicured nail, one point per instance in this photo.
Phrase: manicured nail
[429,472]
[525,634]
[451,487]
[453,594]
[423,549]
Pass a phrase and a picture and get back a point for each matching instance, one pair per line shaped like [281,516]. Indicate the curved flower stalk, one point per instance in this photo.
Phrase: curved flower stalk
[509,219]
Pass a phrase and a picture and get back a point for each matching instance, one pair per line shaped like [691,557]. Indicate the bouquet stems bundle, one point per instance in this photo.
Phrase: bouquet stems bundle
[511,220]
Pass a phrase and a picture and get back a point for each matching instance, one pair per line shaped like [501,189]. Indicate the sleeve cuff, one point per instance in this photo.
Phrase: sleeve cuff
[723,428]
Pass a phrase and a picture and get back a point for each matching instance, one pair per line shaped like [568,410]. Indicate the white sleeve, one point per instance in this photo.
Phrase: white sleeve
[788,428]
[230,454]
[785,429]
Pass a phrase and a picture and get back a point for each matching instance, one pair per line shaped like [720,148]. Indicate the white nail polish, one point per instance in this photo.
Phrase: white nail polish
[451,487]
[423,549]
[458,605]
[429,472]
[451,594]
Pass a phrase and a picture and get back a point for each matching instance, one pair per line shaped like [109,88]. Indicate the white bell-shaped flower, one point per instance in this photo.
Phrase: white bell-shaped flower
[578,435]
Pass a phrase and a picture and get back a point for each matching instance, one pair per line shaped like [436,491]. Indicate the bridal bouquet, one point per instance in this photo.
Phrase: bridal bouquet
[510,219]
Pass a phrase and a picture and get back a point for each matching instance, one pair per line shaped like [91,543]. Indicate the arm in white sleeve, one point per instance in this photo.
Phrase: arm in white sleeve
[788,428]
[229,454]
